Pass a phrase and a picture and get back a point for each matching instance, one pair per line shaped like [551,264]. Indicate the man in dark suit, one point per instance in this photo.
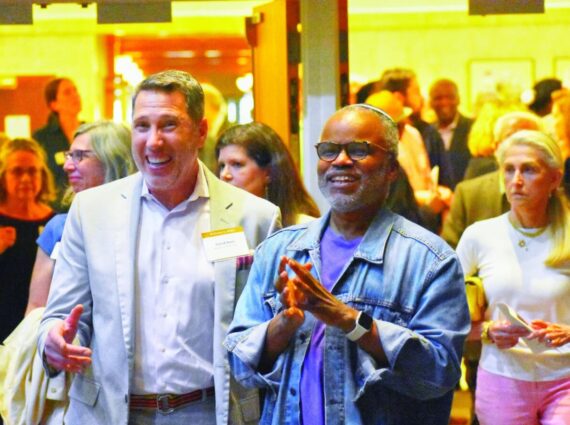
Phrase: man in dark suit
[452,126]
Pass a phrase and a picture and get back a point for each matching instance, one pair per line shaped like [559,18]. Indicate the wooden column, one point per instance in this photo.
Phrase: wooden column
[273,35]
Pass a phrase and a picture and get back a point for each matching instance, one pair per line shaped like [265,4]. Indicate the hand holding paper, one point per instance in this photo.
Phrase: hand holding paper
[512,316]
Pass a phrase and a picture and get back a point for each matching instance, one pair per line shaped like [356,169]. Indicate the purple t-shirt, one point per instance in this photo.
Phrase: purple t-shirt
[335,253]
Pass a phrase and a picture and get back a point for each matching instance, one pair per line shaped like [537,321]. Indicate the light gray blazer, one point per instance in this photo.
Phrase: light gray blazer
[96,268]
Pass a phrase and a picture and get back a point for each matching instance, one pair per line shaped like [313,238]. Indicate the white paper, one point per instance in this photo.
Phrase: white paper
[513,317]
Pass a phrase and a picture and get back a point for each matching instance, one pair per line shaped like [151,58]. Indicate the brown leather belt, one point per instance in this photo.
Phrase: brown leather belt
[167,403]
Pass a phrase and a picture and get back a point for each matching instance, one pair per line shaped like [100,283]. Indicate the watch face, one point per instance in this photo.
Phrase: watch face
[365,321]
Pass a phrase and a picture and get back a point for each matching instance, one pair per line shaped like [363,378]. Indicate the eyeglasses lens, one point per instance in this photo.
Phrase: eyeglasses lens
[76,155]
[357,150]
[329,151]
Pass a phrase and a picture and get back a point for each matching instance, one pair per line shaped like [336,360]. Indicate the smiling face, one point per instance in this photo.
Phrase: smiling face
[348,185]
[444,100]
[165,145]
[528,179]
[237,168]
[89,172]
[23,176]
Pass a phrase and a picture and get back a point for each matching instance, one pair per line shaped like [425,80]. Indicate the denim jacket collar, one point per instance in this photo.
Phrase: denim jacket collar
[370,249]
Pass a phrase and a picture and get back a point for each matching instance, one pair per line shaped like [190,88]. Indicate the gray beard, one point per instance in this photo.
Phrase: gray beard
[373,190]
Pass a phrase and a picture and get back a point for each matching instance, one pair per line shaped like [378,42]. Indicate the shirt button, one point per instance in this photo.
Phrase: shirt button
[293,391]
[164,314]
[303,337]
[163,350]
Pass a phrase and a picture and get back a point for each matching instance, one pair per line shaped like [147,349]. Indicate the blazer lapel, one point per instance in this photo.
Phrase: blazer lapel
[128,210]
[223,214]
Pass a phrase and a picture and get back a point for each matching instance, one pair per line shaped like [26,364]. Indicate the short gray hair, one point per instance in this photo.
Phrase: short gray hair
[176,81]
[391,135]
[111,143]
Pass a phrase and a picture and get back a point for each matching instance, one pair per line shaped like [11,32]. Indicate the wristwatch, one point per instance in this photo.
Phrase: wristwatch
[485,337]
[363,325]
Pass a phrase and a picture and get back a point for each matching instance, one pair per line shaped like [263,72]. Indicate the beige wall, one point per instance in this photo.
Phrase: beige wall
[76,56]
[442,45]
[434,45]
[65,40]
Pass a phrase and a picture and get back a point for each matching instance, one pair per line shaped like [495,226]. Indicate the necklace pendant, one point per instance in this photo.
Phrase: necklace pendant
[522,243]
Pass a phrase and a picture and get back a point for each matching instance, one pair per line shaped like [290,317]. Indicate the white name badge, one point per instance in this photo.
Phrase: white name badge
[225,243]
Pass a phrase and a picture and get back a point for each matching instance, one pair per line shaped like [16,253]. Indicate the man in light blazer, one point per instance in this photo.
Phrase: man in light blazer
[148,274]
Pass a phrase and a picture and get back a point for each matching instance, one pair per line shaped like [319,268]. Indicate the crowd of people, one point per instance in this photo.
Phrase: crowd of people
[179,271]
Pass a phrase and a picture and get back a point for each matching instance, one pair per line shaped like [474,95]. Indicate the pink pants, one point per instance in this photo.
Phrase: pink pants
[506,401]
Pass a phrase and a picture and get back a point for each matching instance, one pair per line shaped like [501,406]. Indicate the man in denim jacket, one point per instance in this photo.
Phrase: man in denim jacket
[358,317]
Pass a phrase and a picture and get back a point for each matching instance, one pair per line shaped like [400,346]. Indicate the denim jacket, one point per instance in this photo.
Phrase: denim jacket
[403,276]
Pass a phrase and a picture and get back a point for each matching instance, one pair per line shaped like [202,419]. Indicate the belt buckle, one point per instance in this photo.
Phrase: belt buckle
[163,404]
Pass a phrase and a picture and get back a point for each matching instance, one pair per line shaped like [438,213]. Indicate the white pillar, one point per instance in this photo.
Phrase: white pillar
[320,78]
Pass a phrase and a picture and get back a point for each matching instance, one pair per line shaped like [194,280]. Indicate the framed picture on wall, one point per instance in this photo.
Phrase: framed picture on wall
[561,68]
[506,77]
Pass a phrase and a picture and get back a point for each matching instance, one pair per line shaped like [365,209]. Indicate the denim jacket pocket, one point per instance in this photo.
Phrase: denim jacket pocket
[380,309]
[272,301]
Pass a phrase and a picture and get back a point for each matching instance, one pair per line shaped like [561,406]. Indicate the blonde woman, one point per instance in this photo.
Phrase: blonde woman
[482,142]
[522,258]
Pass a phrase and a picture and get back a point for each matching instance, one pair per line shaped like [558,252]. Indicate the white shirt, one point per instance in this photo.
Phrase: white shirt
[413,158]
[174,301]
[516,275]
[446,133]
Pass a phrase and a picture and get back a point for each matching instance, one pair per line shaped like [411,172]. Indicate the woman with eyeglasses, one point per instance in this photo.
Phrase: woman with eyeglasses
[26,188]
[100,153]
[254,158]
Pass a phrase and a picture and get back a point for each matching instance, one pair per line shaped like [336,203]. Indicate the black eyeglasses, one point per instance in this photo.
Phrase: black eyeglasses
[77,155]
[356,150]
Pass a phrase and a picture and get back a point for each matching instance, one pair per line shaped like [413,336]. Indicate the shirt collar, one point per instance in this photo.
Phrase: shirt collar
[451,126]
[373,243]
[200,189]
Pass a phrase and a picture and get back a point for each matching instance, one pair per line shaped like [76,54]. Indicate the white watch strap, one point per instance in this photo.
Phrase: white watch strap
[358,331]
